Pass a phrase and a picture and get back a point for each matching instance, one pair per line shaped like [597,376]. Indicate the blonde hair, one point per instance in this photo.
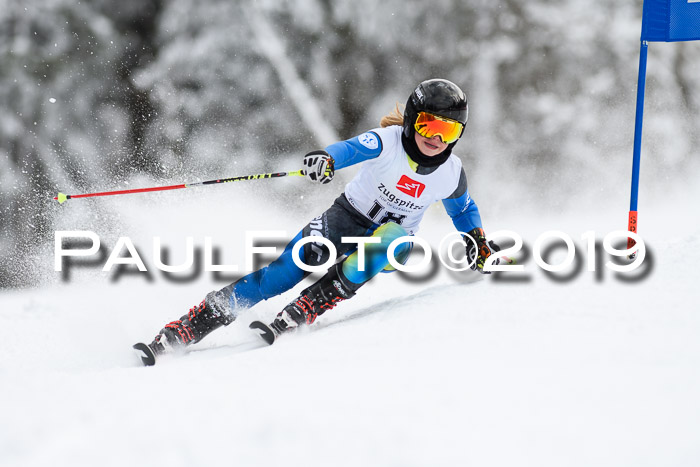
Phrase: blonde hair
[395,117]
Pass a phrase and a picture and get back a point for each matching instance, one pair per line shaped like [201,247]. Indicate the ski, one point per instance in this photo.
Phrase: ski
[264,331]
[148,357]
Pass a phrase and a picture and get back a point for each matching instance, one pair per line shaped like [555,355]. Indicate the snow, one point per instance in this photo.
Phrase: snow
[456,369]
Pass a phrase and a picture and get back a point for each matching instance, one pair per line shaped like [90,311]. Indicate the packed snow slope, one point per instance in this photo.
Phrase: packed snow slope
[576,368]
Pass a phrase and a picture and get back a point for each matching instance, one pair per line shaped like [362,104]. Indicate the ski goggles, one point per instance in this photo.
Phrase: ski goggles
[429,125]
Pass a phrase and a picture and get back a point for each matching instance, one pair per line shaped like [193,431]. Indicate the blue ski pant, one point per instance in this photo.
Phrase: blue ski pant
[340,220]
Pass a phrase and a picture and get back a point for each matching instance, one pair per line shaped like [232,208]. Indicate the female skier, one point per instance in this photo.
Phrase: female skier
[408,165]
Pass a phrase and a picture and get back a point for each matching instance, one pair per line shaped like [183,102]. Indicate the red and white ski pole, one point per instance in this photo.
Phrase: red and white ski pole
[62,198]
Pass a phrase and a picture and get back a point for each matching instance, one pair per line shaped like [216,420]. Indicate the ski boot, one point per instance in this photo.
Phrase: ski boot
[313,301]
[191,328]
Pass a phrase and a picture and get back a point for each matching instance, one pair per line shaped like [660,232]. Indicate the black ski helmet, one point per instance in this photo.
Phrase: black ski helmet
[438,97]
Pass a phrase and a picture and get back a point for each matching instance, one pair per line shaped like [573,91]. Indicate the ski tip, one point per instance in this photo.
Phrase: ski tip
[264,331]
[148,358]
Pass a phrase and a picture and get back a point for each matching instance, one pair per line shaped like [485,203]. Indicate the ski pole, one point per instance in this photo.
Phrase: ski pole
[62,198]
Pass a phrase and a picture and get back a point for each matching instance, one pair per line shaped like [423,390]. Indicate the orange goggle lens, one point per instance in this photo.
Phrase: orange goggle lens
[429,125]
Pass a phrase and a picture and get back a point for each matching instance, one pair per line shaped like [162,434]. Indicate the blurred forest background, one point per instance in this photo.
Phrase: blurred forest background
[94,93]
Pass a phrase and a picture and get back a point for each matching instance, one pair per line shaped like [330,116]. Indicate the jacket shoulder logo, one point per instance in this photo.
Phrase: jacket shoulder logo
[368,140]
